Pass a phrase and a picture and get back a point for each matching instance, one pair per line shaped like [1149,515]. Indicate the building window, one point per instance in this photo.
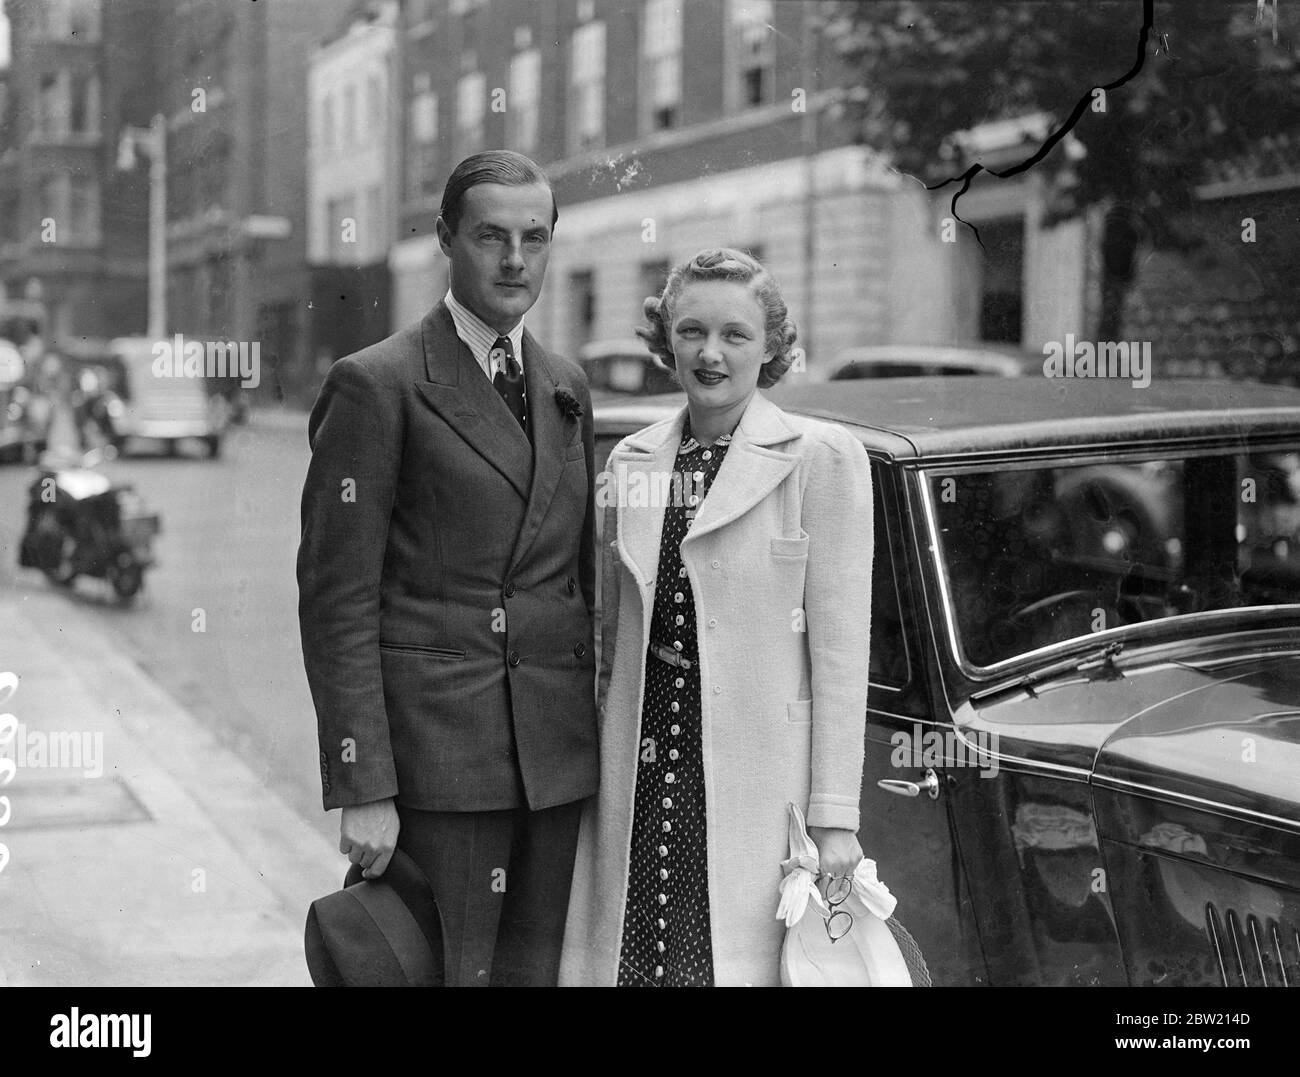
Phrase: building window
[661,90]
[52,106]
[582,301]
[340,210]
[587,87]
[327,125]
[753,45]
[85,105]
[349,117]
[422,151]
[523,108]
[653,276]
[1002,294]
[470,105]
[374,107]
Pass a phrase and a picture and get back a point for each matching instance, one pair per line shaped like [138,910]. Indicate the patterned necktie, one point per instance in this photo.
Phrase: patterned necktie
[510,381]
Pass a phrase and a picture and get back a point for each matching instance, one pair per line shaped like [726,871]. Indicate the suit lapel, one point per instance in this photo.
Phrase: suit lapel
[461,394]
[641,472]
[552,434]
[752,469]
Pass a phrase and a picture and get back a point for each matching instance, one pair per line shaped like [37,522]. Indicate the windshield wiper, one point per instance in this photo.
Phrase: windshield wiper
[1104,656]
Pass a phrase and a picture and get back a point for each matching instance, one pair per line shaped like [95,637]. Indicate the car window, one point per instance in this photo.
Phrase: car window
[888,659]
[1036,556]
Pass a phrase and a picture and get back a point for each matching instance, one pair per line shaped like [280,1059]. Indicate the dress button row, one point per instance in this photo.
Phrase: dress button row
[681,572]
[668,827]
[659,972]
[673,753]
[663,850]
[668,803]
[679,597]
[663,899]
[661,924]
[670,777]
[660,946]
[680,682]
[663,873]
[674,730]
[674,706]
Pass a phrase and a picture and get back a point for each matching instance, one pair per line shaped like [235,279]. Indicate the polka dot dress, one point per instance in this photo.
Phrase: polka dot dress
[666,934]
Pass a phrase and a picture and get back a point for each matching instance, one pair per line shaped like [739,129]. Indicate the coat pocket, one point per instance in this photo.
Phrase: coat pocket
[790,547]
[799,711]
[449,653]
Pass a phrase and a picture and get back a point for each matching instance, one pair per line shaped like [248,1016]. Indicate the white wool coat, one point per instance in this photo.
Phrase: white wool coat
[779,561]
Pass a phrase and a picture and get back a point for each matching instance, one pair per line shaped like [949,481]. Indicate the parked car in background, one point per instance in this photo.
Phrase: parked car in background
[1083,724]
[133,403]
[919,360]
[619,368]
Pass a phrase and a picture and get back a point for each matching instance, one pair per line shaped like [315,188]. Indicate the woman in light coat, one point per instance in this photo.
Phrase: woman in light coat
[737,597]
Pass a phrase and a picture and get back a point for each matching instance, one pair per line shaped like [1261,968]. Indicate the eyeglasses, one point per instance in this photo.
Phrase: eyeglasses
[840,921]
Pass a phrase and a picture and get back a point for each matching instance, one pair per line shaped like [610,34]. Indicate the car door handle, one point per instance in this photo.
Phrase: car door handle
[930,783]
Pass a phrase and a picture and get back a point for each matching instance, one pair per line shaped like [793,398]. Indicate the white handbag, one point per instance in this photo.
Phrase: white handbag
[869,955]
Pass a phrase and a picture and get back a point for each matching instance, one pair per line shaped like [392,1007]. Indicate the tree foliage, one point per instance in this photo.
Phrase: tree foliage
[1209,83]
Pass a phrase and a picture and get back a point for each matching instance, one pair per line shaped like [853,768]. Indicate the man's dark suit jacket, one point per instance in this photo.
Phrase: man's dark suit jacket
[446,579]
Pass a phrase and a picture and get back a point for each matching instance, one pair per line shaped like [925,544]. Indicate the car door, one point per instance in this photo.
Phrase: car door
[910,837]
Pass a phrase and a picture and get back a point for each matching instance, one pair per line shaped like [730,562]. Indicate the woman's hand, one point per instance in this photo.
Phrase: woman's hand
[838,851]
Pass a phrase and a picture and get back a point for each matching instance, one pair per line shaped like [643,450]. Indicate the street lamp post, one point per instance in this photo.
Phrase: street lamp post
[152,140]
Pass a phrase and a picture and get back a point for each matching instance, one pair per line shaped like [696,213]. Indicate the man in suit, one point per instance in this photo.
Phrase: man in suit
[446,579]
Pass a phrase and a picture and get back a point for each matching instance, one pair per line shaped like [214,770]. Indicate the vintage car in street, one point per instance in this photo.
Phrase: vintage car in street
[1083,728]
[921,360]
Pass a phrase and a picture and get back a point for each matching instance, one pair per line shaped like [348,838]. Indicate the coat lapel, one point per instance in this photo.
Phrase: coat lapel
[460,393]
[751,470]
[639,469]
[552,433]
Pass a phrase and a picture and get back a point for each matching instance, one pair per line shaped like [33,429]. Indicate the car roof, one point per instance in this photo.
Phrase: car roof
[620,346]
[1006,361]
[933,418]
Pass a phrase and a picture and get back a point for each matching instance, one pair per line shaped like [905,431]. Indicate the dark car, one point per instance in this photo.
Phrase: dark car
[617,369]
[1083,728]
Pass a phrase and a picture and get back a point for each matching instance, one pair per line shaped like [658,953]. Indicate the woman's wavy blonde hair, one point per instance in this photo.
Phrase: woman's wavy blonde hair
[726,264]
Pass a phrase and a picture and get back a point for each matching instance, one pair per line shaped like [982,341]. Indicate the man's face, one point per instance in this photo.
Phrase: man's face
[499,252]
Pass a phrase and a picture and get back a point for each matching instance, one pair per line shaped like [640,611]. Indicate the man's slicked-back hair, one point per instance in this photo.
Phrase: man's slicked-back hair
[505,167]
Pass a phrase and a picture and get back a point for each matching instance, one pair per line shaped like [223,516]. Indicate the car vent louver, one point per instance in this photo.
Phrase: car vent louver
[1254,953]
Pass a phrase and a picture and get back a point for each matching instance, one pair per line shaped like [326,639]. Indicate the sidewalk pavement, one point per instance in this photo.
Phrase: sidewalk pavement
[156,857]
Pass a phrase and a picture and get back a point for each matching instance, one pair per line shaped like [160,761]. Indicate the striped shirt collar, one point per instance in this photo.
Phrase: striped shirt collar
[479,336]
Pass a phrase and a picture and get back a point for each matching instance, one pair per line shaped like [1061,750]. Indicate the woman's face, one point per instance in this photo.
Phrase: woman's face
[718,342]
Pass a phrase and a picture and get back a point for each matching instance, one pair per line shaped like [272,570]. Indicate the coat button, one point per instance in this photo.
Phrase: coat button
[572,585]
[716,564]
[713,622]
[580,649]
[510,589]
[514,658]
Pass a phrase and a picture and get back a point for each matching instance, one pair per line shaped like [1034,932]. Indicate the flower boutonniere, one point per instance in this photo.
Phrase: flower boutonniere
[569,404]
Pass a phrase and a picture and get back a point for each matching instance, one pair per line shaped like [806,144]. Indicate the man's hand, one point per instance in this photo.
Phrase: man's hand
[368,835]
